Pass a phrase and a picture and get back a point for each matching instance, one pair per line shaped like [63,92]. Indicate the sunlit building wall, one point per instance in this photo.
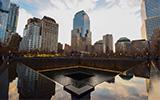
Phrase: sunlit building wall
[4,10]
[49,33]
[31,35]
[75,40]
[107,43]
[34,29]
[40,35]
[67,49]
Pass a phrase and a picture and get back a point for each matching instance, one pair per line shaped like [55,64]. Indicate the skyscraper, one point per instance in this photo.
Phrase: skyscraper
[40,34]
[12,19]
[49,33]
[31,35]
[150,10]
[81,22]
[4,10]
[107,43]
[81,34]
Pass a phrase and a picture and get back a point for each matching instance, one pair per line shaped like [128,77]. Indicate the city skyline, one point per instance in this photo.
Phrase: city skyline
[79,49]
[98,11]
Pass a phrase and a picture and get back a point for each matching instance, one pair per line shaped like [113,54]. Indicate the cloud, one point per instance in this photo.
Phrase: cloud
[119,22]
[13,92]
[119,17]
[133,89]
[23,17]
[85,4]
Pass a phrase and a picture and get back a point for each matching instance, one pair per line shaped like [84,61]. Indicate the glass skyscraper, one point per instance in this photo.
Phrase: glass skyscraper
[4,10]
[12,18]
[81,34]
[82,23]
[150,10]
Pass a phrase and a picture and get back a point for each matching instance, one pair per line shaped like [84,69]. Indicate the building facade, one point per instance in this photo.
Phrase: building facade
[60,48]
[140,47]
[81,34]
[107,43]
[31,35]
[4,11]
[98,47]
[150,11]
[155,42]
[40,35]
[81,22]
[13,41]
[123,46]
[49,33]
[12,19]
[67,49]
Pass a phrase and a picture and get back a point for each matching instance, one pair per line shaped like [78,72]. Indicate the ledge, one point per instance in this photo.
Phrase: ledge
[78,92]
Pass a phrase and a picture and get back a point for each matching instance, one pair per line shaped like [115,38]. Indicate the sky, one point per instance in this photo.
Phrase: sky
[121,18]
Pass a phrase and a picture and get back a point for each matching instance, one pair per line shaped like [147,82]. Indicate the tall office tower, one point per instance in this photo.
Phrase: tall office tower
[107,43]
[31,36]
[4,10]
[49,35]
[150,10]
[81,34]
[12,19]
[40,34]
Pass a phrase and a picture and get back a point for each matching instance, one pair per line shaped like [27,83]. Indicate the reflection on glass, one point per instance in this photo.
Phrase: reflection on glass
[154,82]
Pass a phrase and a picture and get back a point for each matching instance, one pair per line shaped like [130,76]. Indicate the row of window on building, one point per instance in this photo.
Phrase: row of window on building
[9,13]
[40,35]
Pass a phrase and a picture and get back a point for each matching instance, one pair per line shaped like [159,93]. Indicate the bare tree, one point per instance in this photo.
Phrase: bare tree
[155,44]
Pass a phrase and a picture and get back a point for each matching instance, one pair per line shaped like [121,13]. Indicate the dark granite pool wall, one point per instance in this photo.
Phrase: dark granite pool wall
[64,62]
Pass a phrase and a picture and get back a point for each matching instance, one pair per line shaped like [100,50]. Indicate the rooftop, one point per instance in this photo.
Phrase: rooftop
[49,18]
[124,39]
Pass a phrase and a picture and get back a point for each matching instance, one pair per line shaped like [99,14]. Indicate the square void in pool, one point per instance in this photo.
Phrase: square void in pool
[79,75]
